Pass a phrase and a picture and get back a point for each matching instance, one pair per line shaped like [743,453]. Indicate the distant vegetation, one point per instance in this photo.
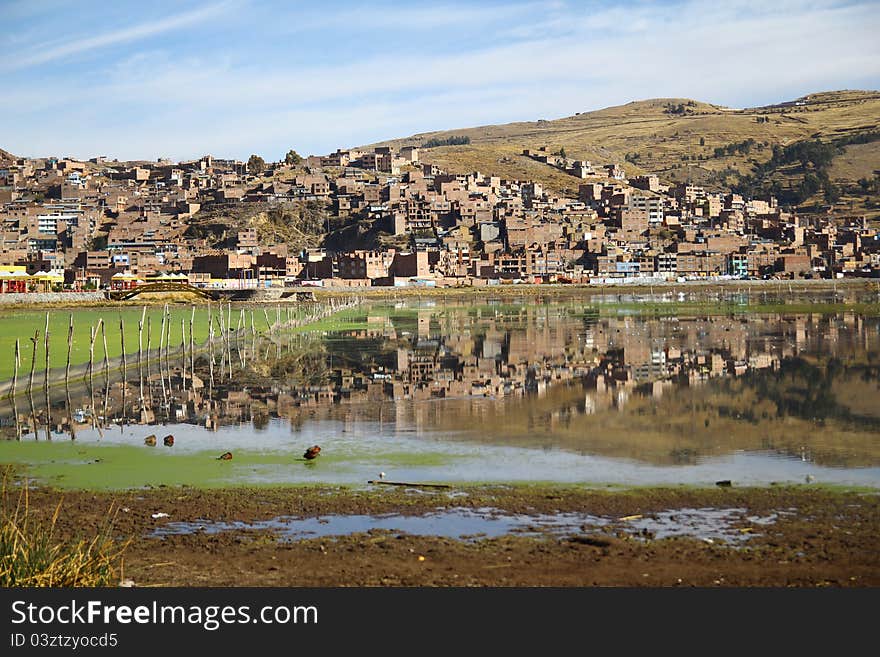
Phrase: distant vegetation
[809,158]
[454,140]
[742,147]
[256,164]
[681,108]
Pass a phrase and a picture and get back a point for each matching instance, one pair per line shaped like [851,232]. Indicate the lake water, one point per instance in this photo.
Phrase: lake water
[634,390]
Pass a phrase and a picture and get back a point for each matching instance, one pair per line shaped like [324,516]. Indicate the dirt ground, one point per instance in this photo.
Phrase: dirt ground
[827,538]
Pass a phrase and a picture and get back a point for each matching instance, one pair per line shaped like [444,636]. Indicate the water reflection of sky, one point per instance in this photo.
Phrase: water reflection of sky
[536,391]
[356,454]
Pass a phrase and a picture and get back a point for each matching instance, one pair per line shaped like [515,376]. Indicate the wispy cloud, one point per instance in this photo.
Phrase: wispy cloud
[407,17]
[49,52]
[232,94]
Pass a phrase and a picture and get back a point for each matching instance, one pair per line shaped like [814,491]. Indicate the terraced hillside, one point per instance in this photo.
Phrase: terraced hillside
[677,138]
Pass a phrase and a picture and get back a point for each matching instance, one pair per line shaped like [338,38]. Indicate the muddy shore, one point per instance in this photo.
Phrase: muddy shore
[816,537]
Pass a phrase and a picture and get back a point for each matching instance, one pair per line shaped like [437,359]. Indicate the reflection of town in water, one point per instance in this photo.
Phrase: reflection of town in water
[588,378]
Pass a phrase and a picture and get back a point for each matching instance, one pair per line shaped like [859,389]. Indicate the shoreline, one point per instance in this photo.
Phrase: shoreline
[506,290]
[576,289]
[810,536]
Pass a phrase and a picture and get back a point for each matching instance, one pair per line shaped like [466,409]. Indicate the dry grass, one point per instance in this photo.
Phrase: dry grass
[32,556]
[661,139]
[858,161]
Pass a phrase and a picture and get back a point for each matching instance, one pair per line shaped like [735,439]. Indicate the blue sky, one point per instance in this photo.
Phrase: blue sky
[234,77]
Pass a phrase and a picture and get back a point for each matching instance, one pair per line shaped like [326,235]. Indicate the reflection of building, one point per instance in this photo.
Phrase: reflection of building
[484,353]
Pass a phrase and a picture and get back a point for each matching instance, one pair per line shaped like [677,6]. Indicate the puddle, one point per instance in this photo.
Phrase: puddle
[712,525]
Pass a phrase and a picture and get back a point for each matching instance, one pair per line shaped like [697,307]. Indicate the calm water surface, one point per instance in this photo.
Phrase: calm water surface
[627,390]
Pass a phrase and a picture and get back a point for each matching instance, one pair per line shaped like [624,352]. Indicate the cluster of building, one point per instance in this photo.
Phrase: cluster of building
[75,224]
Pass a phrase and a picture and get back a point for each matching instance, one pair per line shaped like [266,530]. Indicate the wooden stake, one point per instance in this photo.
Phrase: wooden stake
[210,353]
[69,349]
[192,344]
[183,352]
[106,370]
[140,357]
[16,365]
[141,347]
[46,372]
[122,346]
[46,384]
[162,338]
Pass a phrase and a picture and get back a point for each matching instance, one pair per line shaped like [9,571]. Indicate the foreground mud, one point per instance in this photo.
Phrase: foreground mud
[821,538]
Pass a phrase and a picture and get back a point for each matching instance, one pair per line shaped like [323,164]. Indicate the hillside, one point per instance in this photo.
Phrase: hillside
[675,138]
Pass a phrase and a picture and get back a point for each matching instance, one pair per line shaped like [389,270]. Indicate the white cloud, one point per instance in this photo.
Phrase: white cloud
[49,52]
[736,53]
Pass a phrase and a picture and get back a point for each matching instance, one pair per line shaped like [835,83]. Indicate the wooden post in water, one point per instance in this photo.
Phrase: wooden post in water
[168,346]
[162,340]
[15,372]
[106,370]
[46,383]
[140,358]
[92,333]
[124,363]
[227,355]
[149,349]
[183,352]
[16,365]
[141,349]
[46,372]
[222,343]
[69,349]
[161,374]
[210,353]
[30,389]
[192,344]
[67,379]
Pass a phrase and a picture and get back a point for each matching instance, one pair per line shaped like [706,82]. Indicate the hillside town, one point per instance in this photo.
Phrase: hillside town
[388,217]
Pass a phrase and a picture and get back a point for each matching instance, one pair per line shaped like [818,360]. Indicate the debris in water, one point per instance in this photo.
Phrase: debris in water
[407,484]
[161,514]
[627,518]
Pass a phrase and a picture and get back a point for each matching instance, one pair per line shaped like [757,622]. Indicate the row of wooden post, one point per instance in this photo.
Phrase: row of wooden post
[226,331]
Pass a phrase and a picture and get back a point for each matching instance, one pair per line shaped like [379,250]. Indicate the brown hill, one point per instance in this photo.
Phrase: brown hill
[676,138]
